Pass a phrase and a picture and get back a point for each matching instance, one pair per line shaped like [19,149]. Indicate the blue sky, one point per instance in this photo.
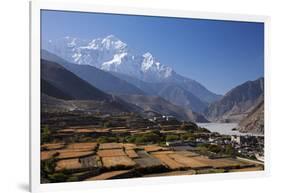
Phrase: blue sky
[218,54]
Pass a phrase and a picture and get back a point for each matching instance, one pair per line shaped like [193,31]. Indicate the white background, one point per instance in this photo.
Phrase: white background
[14,103]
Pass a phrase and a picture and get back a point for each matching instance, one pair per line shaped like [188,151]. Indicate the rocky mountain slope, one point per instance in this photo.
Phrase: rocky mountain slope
[237,103]
[161,106]
[254,122]
[62,88]
[181,97]
[175,93]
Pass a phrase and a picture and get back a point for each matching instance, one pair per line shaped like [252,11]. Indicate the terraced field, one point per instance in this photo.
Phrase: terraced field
[111,153]
[118,160]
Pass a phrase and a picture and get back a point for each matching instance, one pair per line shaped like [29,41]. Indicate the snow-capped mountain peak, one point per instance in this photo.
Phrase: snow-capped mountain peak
[148,61]
[112,40]
[109,54]
[108,43]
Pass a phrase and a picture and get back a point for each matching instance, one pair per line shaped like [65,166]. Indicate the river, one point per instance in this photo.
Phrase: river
[223,128]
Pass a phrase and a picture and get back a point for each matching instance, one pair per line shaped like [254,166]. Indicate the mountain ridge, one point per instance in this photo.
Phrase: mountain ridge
[237,103]
[112,55]
[70,83]
[80,92]
[96,77]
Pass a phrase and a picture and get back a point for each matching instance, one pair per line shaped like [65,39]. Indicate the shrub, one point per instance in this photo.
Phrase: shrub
[58,177]
[73,179]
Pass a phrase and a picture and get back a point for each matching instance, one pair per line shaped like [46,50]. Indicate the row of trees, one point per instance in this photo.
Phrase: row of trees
[217,149]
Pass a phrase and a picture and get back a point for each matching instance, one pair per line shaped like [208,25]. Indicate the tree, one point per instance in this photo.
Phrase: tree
[58,177]
[107,124]
[105,139]
[229,150]
[147,137]
[45,135]
[214,148]
[202,149]
[203,130]
[188,136]
[48,166]
[73,179]
[172,137]
[189,126]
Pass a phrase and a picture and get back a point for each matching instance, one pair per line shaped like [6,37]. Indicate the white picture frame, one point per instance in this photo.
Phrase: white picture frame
[36,6]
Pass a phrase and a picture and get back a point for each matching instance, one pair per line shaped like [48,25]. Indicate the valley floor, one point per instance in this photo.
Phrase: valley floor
[126,146]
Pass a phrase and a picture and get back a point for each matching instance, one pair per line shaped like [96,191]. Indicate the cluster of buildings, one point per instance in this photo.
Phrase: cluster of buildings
[249,146]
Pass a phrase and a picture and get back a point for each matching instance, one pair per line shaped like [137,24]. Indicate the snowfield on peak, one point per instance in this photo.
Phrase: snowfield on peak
[110,54]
